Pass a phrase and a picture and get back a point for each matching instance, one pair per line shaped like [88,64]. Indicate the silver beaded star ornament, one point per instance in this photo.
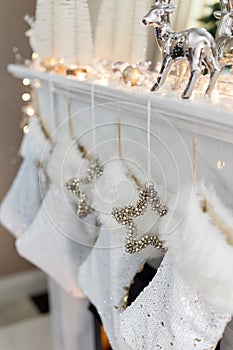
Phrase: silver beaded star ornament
[94,171]
[125,216]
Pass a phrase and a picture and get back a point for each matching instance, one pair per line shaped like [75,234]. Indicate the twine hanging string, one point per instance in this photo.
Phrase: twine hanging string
[45,130]
[51,103]
[82,149]
[43,126]
[93,121]
[41,121]
[195,142]
[70,120]
[119,136]
[149,138]
[120,154]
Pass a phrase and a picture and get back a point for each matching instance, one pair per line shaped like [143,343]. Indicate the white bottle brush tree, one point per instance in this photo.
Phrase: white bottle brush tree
[41,32]
[119,33]
[62,30]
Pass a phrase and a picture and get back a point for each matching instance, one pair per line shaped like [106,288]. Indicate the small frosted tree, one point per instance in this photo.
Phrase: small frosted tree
[62,29]
[120,34]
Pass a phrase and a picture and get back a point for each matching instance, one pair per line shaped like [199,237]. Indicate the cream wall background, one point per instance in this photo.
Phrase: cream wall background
[188,12]
[185,16]
[12,28]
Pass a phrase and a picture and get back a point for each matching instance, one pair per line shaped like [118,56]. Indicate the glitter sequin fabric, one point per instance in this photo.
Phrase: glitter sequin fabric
[170,315]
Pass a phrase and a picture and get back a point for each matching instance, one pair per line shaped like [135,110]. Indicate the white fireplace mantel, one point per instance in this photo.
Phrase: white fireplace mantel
[174,122]
[209,117]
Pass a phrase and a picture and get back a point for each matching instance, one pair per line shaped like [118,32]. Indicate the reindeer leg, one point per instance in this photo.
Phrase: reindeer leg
[183,66]
[213,80]
[215,71]
[191,84]
[220,48]
[195,63]
[166,66]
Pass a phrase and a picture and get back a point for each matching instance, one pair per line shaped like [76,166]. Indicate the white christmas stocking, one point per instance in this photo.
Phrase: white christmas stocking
[35,144]
[106,274]
[200,239]
[58,241]
[109,268]
[171,315]
[23,200]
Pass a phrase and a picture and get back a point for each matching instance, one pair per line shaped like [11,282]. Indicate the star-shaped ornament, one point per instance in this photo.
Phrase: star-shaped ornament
[95,170]
[126,215]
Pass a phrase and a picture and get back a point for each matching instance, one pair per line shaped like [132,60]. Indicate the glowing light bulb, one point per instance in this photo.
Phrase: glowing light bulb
[104,81]
[35,56]
[26,82]
[37,83]
[215,96]
[61,61]
[60,69]
[26,129]
[26,97]
[221,164]
[30,112]
[79,73]
[49,64]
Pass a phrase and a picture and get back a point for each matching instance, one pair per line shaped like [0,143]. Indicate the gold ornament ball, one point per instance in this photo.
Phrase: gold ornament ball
[131,75]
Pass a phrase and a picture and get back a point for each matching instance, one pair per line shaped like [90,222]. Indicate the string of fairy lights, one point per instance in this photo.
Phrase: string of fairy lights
[27,109]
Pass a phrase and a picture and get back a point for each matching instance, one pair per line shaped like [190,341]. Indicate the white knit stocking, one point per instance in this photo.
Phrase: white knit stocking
[58,241]
[23,200]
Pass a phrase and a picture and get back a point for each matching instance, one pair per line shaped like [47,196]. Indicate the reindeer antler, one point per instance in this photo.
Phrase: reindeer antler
[162,2]
[166,5]
[226,5]
[230,5]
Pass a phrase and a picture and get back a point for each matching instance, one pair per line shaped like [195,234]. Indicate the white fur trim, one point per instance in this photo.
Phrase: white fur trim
[199,248]
[34,145]
[113,189]
[66,161]
[116,189]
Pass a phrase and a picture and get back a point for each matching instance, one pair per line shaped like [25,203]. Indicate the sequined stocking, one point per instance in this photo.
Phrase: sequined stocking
[170,315]
[105,276]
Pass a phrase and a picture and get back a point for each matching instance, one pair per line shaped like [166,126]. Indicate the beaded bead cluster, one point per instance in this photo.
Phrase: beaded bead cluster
[95,170]
[125,216]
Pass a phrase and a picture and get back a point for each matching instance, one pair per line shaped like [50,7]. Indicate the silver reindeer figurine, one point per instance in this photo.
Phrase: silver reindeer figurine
[196,45]
[224,35]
